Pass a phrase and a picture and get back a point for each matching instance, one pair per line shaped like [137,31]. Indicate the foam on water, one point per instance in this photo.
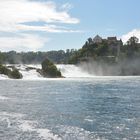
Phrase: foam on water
[3,77]
[76,133]
[3,98]
[89,120]
[31,126]
[8,119]
[11,115]
[16,122]
[26,125]
[46,134]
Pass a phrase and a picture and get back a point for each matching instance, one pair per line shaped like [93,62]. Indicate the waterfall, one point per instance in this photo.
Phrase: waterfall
[72,71]
[29,71]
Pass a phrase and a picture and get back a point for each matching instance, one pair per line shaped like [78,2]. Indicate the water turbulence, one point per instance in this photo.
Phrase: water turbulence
[29,72]
[73,71]
[79,109]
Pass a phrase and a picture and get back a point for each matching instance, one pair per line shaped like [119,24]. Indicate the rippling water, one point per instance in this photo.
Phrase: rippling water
[70,109]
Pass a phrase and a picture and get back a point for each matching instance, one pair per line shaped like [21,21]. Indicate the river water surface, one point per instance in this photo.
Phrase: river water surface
[70,109]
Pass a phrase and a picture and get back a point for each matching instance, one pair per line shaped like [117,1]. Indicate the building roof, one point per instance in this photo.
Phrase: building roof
[97,38]
[112,38]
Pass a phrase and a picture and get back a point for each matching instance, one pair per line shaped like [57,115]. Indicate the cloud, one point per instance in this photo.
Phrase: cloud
[23,42]
[45,28]
[135,32]
[15,16]
[15,12]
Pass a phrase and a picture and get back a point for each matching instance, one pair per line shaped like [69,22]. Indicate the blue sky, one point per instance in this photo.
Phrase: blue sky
[32,25]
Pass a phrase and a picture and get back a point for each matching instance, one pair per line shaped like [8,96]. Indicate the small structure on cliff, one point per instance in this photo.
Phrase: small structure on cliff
[113,43]
[97,39]
[103,48]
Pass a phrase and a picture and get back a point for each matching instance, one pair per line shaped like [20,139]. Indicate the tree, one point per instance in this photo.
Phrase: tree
[45,64]
[49,69]
[90,40]
[133,41]
[15,74]
[132,46]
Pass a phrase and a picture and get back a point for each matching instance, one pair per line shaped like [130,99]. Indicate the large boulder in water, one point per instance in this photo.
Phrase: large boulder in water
[14,73]
[49,70]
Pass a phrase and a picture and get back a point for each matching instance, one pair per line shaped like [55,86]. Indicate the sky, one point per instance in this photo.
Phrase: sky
[44,25]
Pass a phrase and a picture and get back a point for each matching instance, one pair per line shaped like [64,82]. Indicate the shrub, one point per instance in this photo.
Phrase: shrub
[50,70]
[4,70]
[14,73]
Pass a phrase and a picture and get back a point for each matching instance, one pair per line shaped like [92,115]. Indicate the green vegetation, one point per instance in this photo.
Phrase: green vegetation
[131,49]
[58,57]
[14,73]
[110,54]
[49,70]
[99,51]
[4,70]
[107,51]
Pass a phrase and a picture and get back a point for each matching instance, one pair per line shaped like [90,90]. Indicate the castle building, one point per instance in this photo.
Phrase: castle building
[97,39]
[113,43]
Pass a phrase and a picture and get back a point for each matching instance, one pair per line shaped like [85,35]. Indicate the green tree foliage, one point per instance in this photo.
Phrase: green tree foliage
[132,46]
[4,70]
[12,57]
[14,73]
[89,50]
[100,51]
[49,69]
[133,41]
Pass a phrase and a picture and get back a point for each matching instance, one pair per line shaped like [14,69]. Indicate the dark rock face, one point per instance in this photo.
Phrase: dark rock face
[30,68]
[49,70]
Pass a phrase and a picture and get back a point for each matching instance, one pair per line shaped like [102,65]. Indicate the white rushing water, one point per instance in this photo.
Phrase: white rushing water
[30,74]
[2,77]
[68,71]
[72,71]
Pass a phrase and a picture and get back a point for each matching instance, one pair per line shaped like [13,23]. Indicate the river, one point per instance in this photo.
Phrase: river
[70,109]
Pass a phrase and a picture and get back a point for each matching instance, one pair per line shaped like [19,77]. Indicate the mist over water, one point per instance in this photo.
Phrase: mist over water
[125,67]
[84,69]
